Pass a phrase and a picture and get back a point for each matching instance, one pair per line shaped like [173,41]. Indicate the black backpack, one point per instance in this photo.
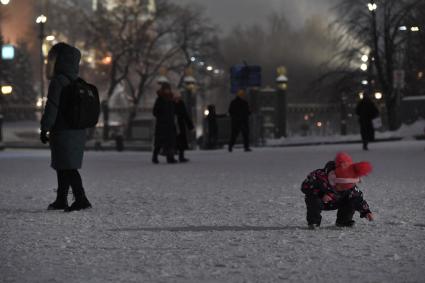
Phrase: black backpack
[80,104]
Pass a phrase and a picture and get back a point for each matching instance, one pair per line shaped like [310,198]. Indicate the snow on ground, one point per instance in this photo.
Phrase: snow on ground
[224,217]
[411,131]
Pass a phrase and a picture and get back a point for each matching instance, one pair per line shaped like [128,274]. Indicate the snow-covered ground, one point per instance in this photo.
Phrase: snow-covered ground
[411,131]
[223,217]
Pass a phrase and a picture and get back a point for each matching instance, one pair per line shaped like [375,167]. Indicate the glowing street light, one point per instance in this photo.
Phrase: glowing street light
[206,112]
[414,29]
[41,19]
[6,90]
[363,67]
[193,59]
[5,2]
[50,37]
[210,68]
[372,6]
[378,95]
[107,60]
[365,82]
[365,58]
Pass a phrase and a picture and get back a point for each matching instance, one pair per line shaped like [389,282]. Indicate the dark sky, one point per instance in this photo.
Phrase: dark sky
[230,13]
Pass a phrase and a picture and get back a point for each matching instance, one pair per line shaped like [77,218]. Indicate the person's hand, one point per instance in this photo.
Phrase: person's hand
[369,216]
[327,198]
[43,137]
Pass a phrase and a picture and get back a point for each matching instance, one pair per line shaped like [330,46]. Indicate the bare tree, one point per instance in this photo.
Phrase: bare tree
[375,32]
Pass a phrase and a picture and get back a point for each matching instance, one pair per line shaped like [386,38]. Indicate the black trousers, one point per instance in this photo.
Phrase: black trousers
[237,127]
[67,178]
[315,206]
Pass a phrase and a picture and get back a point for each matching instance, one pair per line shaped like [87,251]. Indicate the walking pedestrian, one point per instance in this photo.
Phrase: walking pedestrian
[66,143]
[239,112]
[165,127]
[184,122]
[367,111]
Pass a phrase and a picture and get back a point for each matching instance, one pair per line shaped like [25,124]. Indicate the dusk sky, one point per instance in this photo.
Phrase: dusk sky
[225,13]
[230,13]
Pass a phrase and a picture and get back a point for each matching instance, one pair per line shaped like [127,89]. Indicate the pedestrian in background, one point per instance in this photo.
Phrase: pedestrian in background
[66,143]
[239,113]
[184,123]
[367,111]
[212,127]
[165,127]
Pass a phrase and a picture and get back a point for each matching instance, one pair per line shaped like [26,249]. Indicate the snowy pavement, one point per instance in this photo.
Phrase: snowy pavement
[223,217]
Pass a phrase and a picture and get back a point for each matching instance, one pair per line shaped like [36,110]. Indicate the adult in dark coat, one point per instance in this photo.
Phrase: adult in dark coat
[165,127]
[184,122]
[367,111]
[212,127]
[66,144]
[239,112]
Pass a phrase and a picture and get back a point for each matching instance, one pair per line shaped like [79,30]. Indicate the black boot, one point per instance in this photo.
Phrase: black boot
[155,155]
[81,201]
[155,159]
[349,223]
[182,158]
[171,159]
[61,201]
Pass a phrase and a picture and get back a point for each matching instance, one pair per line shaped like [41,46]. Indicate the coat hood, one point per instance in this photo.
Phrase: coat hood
[67,59]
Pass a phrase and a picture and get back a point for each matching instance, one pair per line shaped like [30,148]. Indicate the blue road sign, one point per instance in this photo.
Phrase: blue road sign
[244,76]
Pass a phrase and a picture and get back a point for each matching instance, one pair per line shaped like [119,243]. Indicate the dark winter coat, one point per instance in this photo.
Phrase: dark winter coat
[367,111]
[165,127]
[317,184]
[239,110]
[66,144]
[184,122]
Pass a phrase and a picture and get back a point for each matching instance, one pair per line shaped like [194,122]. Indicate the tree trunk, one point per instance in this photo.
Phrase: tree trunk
[393,107]
[131,117]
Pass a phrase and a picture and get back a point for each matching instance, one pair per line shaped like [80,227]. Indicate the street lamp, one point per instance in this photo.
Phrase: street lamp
[378,95]
[6,90]
[189,83]
[372,6]
[282,105]
[5,2]
[41,20]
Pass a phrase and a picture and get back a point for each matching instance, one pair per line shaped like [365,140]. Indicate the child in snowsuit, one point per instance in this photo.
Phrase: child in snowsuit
[334,187]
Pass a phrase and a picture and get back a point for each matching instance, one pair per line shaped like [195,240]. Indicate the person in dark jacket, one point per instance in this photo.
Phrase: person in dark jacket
[212,126]
[367,111]
[165,127]
[334,187]
[66,144]
[183,122]
[239,113]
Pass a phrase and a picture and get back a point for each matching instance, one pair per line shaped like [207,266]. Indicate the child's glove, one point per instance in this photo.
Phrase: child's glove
[327,198]
[369,216]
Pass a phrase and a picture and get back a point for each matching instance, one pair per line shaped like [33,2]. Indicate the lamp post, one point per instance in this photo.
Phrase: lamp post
[282,108]
[191,102]
[372,6]
[41,20]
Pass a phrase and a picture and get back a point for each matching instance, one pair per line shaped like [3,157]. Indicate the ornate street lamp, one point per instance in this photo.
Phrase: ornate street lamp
[41,20]
[282,108]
